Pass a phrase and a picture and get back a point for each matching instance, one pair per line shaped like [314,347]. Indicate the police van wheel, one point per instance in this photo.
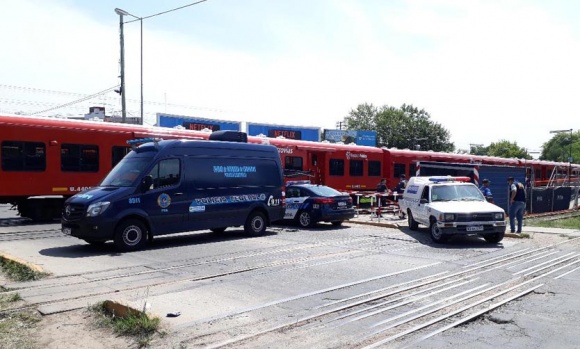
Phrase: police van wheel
[130,235]
[413,225]
[95,242]
[255,224]
[494,238]
[436,233]
[305,220]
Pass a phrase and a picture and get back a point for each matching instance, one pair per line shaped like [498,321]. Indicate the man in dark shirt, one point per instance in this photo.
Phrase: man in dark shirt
[517,204]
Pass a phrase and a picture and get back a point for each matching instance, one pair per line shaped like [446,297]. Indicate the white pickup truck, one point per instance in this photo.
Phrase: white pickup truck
[451,206]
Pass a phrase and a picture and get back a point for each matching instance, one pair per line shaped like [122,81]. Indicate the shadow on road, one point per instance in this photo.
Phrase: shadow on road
[84,250]
[455,242]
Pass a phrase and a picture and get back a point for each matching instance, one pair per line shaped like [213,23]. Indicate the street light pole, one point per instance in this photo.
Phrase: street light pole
[121,13]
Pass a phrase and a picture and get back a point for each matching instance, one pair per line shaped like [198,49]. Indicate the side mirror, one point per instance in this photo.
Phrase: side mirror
[423,201]
[146,183]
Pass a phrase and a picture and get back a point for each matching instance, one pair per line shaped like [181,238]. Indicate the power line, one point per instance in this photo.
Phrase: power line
[164,12]
[78,100]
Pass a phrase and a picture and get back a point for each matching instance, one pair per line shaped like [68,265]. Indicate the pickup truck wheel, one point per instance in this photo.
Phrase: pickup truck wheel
[436,233]
[413,225]
[130,235]
[305,220]
[494,238]
[255,224]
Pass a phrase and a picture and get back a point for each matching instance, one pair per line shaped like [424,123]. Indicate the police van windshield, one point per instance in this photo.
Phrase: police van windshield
[456,193]
[126,172]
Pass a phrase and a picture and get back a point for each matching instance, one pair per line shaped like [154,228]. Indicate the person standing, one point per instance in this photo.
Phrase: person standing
[382,186]
[517,203]
[486,191]
[400,188]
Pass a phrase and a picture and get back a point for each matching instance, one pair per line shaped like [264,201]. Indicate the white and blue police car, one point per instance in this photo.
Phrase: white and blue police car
[308,204]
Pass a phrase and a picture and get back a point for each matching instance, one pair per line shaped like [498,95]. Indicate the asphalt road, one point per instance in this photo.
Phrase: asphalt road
[326,287]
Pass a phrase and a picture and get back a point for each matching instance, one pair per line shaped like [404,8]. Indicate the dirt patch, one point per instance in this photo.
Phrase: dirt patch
[75,329]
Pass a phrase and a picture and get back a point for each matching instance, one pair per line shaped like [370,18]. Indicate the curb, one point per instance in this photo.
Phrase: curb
[377,224]
[33,267]
[123,309]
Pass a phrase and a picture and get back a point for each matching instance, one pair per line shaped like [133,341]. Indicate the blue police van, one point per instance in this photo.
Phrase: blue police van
[172,186]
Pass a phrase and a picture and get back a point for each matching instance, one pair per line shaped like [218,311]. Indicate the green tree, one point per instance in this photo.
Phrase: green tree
[507,149]
[404,127]
[558,148]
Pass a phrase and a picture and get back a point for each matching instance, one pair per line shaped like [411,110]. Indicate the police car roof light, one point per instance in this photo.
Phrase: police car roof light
[439,179]
[305,181]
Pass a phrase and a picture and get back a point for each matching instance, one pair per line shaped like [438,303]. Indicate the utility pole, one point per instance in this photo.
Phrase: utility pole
[121,13]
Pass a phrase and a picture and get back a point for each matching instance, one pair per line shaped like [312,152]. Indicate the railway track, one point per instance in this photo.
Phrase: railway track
[395,315]
[71,290]
[392,309]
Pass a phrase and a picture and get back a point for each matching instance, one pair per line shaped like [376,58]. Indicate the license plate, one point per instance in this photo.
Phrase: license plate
[341,203]
[66,231]
[474,228]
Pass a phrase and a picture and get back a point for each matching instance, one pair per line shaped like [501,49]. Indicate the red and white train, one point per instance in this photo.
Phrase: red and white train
[46,160]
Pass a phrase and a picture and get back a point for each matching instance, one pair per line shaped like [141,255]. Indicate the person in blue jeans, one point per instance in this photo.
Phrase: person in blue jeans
[517,204]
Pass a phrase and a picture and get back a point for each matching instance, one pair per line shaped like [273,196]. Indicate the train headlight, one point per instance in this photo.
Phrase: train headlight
[97,208]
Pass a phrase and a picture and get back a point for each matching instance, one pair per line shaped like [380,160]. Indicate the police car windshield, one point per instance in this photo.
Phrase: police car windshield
[466,192]
[322,190]
[126,172]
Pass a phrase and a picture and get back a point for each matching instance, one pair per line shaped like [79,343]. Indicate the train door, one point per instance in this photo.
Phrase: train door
[316,162]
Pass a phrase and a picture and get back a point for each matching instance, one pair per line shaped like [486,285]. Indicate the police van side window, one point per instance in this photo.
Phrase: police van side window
[425,194]
[166,173]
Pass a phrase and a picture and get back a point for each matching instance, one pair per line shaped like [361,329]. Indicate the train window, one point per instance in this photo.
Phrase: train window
[356,167]
[23,156]
[119,153]
[79,158]
[293,163]
[166,173]
[336,167]
[399,170]
[538,175]
[374,168]
[412,169]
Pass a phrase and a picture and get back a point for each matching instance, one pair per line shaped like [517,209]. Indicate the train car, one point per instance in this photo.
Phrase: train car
[345,167]
[46,160]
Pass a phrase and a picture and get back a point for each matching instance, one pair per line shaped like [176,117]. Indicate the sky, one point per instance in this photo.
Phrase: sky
[486,70]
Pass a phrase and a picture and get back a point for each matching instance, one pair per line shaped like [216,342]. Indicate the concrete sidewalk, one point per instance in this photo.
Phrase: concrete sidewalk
[390,220]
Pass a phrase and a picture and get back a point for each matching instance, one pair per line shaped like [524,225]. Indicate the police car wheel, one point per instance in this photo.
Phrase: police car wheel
[255,224]
[413,225]
[305,220]
[494,238]
[436,233]
[130,235]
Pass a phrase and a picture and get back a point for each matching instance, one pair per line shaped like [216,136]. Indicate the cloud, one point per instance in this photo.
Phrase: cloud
[485,70]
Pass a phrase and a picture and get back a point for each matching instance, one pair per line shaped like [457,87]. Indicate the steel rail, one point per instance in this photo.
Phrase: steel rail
[440,318]
[543,263]
[473,316]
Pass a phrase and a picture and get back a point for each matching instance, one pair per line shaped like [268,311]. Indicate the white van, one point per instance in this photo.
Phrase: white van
[451,206]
